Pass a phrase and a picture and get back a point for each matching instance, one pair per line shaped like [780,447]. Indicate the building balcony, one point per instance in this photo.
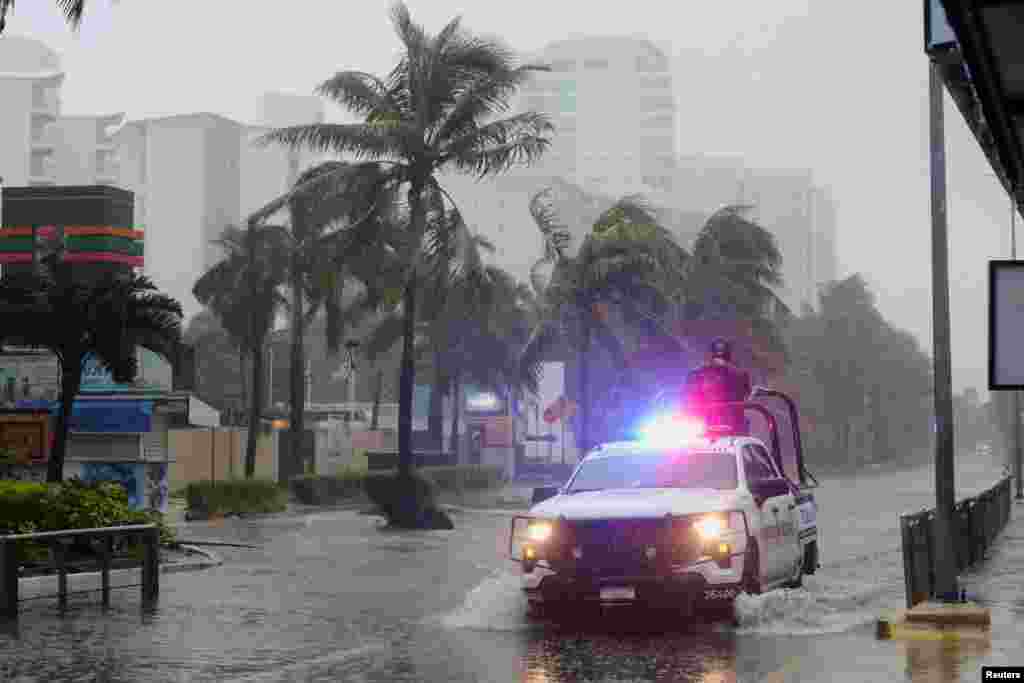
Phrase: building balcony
[43,138]
[41,169]
[45,102]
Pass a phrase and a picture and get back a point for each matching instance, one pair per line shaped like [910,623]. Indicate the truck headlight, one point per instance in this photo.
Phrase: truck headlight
[540,531]
[709,528]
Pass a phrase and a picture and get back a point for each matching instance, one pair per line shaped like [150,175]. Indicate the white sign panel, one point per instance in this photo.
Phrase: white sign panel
[1006,325]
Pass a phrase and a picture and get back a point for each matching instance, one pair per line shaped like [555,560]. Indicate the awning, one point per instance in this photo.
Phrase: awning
[979,47]
[102,416]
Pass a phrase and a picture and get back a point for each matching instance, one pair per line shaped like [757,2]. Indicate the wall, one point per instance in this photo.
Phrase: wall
[218,454]
[15,130]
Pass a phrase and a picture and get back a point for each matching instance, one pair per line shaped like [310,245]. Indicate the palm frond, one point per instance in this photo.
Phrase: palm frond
[363,94]
[554,232]
[363,141]
[483,98]
[499,145]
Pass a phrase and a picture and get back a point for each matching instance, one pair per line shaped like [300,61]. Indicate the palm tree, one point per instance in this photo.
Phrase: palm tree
[108,319]
[244,289]
[628,262]
[216,348]
[430,114]
[735,267]
[72,9]
[337,237]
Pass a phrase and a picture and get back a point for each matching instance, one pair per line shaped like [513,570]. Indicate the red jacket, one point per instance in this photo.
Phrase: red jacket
[718,383]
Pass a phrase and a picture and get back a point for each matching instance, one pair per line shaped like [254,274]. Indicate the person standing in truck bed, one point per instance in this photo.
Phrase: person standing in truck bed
[719,381]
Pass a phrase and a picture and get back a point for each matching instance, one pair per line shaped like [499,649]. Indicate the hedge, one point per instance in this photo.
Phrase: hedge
[312,489]
[236,496]
[27,507]
[465,477]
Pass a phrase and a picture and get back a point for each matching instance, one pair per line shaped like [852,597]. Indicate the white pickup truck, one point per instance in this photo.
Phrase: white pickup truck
[681,522]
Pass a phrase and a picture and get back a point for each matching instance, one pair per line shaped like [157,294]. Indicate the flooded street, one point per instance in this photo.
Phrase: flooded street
[331,597]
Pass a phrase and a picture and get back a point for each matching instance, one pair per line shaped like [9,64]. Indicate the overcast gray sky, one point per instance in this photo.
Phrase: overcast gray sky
[839,87]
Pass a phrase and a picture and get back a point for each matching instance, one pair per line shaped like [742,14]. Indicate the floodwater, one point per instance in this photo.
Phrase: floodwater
[332,597]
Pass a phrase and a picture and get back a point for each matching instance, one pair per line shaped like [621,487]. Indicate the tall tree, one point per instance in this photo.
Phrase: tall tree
[244,289]
[108,319]
[433,112]
[339,233]
[72,10]
[735,270]
[629,268]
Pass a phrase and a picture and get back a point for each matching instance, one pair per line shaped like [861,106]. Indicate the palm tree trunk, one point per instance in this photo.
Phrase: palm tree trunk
[407,378]
[70,382]
[435,420]
[378,390]
[583,438]
[297,371]
[255,410]
[242,375]
[407,375]
[456,392]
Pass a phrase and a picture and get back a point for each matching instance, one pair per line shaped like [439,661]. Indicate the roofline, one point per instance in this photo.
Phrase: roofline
[171,117]
[34,75]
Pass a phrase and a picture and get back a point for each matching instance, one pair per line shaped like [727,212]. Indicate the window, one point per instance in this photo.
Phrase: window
[659,102]
[595,64]
[659,121]
[754,467]
[765,459]
[649,63]
[658,469]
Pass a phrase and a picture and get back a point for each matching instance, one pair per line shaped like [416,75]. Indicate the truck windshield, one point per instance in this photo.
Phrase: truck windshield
[664,469]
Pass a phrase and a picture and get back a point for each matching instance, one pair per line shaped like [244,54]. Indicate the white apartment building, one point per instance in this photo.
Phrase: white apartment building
[30,80]
[195,174]
[610,99]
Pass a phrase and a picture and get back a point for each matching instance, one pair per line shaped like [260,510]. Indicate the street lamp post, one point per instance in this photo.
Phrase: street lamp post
[945,489]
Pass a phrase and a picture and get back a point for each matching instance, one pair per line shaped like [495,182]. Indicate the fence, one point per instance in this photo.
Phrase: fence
[57,541]
[976,523]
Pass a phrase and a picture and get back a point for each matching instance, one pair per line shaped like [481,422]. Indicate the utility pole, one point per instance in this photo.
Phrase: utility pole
[945,490]
[1018,450]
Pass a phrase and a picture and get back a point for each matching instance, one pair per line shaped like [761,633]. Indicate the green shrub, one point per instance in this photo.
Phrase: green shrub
[326,489]
[27,507]
[465,477]
[236,496]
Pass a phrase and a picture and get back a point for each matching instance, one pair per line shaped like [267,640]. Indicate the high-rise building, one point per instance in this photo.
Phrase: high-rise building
[84,151]
[268,170]
[195,174]
[610,99]
[30,80]
[184,171]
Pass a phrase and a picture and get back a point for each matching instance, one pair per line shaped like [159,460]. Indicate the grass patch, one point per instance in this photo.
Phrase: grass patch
[236,496]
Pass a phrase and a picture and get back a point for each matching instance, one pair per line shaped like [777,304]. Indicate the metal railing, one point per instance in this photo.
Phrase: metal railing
[977,521]
[58,541]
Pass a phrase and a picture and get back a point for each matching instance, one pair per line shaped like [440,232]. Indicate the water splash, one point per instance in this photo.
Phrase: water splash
[824,605]
[497,604]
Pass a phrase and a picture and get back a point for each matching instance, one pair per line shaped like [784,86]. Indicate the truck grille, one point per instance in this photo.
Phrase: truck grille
[618,547]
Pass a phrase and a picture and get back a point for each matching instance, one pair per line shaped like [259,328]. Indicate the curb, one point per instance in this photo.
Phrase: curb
[953,622]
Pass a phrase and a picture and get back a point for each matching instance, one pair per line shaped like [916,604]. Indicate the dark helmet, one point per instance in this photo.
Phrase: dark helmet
[722,349]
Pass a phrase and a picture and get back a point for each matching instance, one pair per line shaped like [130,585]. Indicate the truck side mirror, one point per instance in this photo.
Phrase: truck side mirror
[542,493]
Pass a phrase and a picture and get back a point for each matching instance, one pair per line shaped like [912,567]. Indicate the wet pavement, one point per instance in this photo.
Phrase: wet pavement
[330,596]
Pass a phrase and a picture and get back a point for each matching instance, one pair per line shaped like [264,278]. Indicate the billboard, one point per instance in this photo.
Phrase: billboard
[1005,325]
[24,438]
